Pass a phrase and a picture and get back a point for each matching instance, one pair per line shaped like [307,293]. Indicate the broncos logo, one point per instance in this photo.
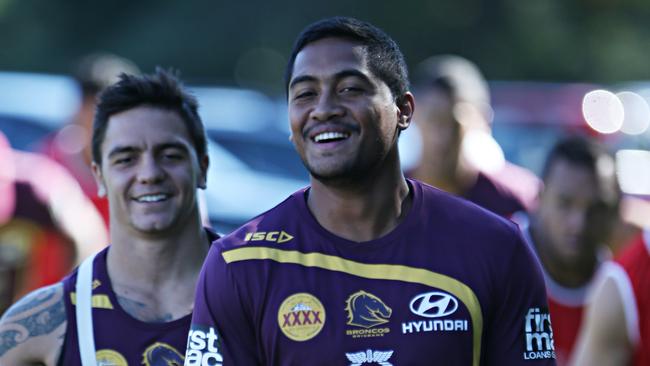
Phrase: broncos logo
[366,310]
[162,354]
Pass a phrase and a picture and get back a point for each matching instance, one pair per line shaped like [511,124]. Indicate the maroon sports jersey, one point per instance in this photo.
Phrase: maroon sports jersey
[120,339]
[452,284]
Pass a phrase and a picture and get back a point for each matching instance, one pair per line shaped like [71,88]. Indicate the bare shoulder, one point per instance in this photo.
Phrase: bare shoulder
[603,339]
[32,330]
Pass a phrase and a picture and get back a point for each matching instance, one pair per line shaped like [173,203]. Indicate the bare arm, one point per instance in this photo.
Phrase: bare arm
[603,339]
[33,329]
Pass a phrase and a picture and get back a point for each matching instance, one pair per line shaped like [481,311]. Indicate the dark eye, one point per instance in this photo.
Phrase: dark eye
[304,94]
[172,155]
[123,160]
[351,90]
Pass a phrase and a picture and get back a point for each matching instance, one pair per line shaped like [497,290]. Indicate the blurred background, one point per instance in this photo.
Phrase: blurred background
[554,68]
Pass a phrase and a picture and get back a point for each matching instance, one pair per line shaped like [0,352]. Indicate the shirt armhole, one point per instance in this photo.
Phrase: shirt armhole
[616,272]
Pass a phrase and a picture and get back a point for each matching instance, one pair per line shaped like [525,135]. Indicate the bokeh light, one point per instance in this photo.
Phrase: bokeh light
[637,113]
[633,169]
[482,151]
[603,111]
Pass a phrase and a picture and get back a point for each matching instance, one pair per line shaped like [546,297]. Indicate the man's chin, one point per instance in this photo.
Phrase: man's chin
[154,228]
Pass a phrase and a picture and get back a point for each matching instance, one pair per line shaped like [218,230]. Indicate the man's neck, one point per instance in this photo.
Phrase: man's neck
[457,182]
[362,211]
[154,278]
[154,259]
[569,274]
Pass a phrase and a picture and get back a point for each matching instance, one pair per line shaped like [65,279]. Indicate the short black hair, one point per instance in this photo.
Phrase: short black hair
[161,89]
[385,60]
[587,153]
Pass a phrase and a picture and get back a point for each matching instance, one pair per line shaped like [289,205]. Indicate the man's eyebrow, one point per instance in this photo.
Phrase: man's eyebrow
[339,75]
[301,79]
[121,150]
[352,73]
[172,145]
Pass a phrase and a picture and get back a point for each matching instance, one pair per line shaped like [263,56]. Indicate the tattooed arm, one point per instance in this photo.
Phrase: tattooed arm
[33,329]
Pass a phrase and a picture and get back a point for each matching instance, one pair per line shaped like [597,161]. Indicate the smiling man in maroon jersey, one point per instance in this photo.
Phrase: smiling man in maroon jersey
[365,266]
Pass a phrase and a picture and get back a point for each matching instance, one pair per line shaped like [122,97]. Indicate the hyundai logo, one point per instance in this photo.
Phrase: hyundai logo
[433,304]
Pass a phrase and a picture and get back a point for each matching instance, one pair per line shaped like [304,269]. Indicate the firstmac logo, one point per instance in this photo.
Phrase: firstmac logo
[433,305]
[203,347]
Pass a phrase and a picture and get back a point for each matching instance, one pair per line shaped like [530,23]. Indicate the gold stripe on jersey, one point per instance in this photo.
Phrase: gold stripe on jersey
[98,301]
[373,271]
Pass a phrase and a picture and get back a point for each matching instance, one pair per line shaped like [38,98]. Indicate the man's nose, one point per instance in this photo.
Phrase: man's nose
[150,170]
[327,107]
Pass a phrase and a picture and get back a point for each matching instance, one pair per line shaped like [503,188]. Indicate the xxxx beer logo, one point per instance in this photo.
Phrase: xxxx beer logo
[110,357]
[301,317]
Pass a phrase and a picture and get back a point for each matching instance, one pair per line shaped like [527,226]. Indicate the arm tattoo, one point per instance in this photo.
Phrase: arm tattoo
[38,313]
[140,311]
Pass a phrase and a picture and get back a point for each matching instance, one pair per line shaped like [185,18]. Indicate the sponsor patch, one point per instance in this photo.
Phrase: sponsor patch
[366,312]
[434,305]
[370,357]
[203,347]
[161,354]
[301,317]
[538,335]
[110,357]
[272,236]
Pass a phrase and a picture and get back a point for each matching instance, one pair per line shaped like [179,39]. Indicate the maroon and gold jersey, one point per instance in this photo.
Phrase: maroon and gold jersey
[452,284]
[121,339]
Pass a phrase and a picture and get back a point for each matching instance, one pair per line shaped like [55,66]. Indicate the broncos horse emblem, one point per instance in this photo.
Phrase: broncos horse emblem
[366,310]
[162,354]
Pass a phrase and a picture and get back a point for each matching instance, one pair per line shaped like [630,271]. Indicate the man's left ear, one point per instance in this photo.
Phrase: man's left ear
[405,108]
[204,163]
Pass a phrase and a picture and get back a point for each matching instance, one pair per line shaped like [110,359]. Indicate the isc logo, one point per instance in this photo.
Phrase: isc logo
[272,236]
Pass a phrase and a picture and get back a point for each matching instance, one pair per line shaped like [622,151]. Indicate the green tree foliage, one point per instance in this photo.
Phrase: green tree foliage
[247,42]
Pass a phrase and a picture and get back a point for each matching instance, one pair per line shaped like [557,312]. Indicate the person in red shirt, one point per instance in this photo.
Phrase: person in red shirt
[577,210]
[617,322]
[46,223]
[70,146]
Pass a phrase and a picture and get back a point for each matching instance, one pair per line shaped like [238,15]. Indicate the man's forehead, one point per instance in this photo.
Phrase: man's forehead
[145,127]
[328,56]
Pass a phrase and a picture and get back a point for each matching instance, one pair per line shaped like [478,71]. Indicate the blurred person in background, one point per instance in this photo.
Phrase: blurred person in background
[458,153]
[577,210]
[45,223]
[616,328]
[131,303]
[71,145]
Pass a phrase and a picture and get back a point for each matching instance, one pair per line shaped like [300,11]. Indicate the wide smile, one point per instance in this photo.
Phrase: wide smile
[330,136]
[152,198]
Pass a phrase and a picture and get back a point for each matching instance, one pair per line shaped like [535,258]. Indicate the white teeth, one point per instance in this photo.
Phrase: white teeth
[325,136]
[152,198]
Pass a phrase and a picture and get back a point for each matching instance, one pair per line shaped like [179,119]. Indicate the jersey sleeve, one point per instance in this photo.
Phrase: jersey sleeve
[518,329]
[221,332]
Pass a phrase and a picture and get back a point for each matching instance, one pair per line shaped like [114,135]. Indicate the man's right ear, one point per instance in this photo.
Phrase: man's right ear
[99,179]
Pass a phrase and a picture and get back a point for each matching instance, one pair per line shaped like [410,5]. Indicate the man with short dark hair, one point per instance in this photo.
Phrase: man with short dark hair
[458,153]
[365,266]
[577,210]
[131,303]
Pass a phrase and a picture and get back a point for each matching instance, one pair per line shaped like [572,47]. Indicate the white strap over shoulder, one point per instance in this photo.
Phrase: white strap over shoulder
[83,312]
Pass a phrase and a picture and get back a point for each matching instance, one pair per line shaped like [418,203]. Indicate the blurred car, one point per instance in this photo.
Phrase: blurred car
[33,105]
[253,166]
